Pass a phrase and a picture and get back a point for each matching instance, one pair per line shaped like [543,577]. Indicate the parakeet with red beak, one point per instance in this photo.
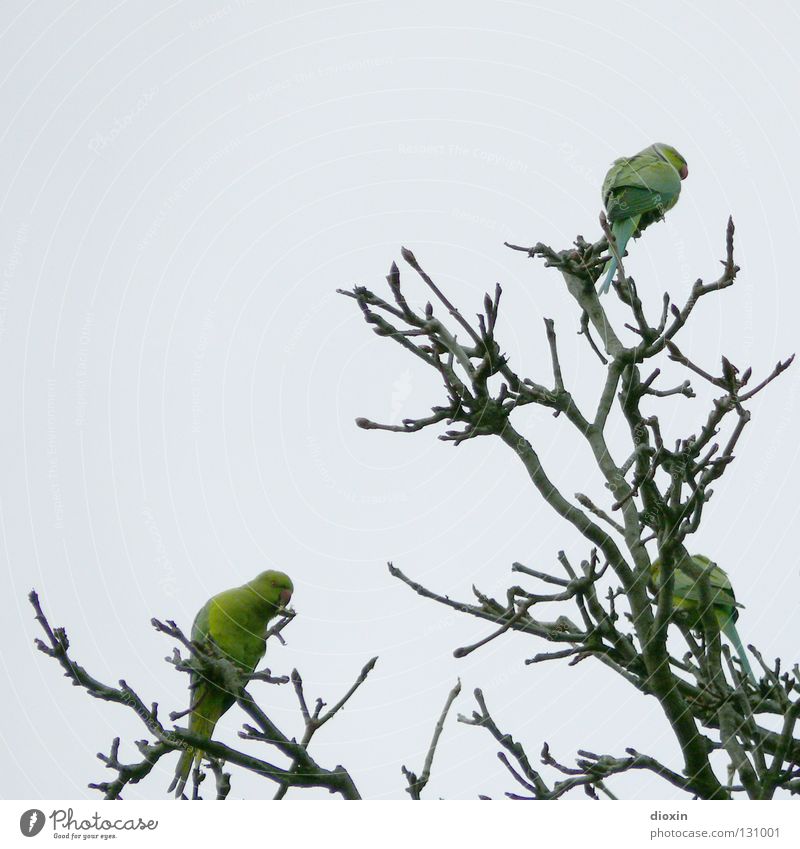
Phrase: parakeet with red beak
[236,621]
[637,191]
[687,597]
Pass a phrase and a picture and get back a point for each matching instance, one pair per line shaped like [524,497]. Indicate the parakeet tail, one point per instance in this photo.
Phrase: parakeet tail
[729,629]
[190,757]
[622,230]
[182,773]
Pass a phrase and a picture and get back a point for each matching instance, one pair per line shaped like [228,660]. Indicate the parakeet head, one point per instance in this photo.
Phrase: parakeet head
[275,588]
[674,158]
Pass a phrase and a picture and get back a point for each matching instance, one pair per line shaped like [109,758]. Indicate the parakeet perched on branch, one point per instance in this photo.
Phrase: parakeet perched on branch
[687,596]
[236,621]
[638,191]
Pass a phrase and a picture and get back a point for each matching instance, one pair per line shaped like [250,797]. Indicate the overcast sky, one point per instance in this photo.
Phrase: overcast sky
[185,185]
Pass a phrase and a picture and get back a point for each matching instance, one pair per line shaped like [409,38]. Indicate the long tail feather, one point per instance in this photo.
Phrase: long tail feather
[182,772]
[622,230]
[198,724]
[729,629]
[610,270]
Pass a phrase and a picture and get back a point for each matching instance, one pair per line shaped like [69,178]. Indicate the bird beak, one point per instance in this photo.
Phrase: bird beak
[286,597]
[684,172]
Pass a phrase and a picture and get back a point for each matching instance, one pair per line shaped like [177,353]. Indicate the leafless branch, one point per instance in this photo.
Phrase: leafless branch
[416,784]
[303,772]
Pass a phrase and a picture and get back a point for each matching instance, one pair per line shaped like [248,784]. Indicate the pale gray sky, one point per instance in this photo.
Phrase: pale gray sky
[183,188]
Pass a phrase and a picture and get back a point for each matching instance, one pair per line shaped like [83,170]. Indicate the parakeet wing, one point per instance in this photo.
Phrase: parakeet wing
[642,184]
[208,703]
[644,170]
[688,587]
[237,629]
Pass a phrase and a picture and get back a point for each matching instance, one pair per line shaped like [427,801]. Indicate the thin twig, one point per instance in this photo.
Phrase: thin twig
[417,784]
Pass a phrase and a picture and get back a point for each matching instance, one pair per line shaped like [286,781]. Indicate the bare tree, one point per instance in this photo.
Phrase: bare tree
[605,608]
[656,496]
[300,769]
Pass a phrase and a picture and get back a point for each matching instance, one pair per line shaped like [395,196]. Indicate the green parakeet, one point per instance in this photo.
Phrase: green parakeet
[638,191]
[686,598]
[236,620]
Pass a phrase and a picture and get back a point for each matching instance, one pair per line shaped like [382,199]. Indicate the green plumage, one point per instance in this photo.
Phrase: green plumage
[236,621]
[637,191]
[687,598]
